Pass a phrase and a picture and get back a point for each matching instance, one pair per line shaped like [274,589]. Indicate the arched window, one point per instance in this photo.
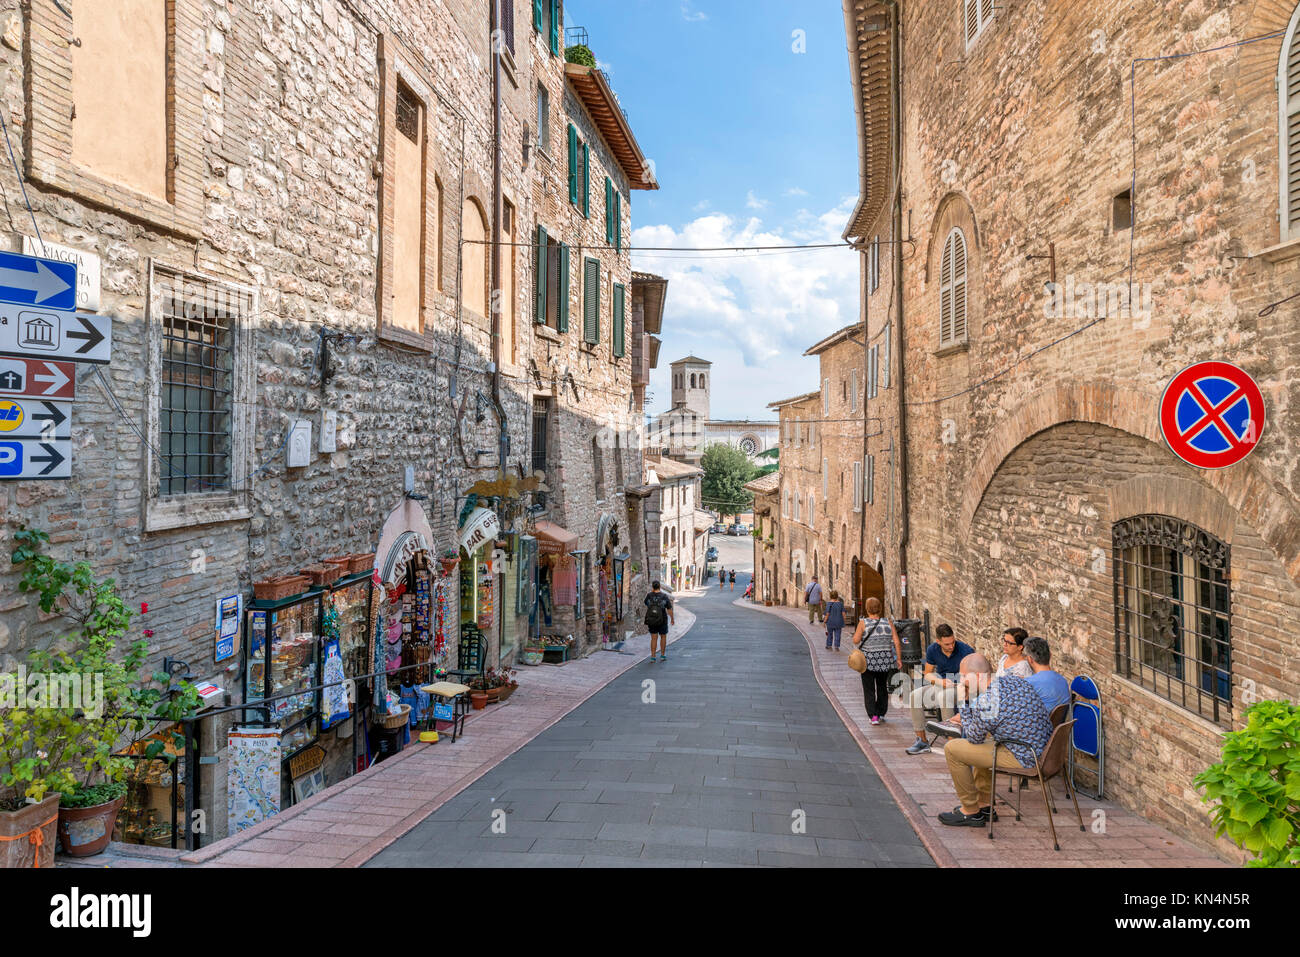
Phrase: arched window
[474,258]
[1288,87]
[1173,621]
[952,290]
[665,538]
[692,380]
[701,380]
[812,512]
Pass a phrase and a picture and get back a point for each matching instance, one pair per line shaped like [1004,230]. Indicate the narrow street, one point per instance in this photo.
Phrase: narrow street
[710,765]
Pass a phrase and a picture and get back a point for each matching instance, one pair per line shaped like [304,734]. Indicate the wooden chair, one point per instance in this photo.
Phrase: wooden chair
[1050,765]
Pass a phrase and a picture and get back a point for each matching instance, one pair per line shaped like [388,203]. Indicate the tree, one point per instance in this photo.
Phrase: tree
[726,470]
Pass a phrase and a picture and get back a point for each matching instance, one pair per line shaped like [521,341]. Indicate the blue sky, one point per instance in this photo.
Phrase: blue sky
[753,143]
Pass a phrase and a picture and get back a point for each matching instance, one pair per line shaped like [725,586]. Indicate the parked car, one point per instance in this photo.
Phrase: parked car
[719,529]
[736,529]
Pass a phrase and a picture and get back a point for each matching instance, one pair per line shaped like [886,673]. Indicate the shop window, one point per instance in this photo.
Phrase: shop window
[108,134]
[1173,613]
[200,369]
[474,283]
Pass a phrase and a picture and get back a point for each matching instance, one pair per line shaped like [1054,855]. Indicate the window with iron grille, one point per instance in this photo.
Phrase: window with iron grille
[195,401]
[541,413]
[506,20]
[1173,613]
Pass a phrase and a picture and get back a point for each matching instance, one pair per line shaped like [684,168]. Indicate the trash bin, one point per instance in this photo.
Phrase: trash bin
[909,638]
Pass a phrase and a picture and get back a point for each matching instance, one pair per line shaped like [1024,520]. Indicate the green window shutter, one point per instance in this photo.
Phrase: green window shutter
[618,222]
[619,305]
[537,15]
[555,27]
[562,320]
[586,180]
[539,279]
[609,212]
[591,301]
[573,164]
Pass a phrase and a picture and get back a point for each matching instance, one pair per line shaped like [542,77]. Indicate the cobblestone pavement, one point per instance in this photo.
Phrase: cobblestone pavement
[739,759]
[922,786]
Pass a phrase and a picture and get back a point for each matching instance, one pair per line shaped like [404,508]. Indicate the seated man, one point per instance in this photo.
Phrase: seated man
[1051,685]
[1005,707]
[939,688]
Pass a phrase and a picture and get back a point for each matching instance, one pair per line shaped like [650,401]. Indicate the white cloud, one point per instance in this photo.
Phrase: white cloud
[753,202]
[701,206]
[795,191]
[752,314]
[692,16]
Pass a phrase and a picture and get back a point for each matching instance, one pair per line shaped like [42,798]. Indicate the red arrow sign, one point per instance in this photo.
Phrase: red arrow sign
[37,379]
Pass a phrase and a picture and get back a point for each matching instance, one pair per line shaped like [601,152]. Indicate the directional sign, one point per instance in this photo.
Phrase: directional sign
[1212,415]
[81,337]
[32,378]
[34,459]
[89,268]
[30,281]
[33,419]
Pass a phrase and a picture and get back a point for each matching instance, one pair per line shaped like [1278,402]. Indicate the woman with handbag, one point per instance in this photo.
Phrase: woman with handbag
[877,639]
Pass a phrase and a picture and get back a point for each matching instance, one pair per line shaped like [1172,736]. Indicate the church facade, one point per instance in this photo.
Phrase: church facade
[686,429]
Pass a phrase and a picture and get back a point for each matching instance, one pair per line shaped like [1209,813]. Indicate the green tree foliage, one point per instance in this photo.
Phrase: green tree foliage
[726,470]
[1257,785]
[581,54]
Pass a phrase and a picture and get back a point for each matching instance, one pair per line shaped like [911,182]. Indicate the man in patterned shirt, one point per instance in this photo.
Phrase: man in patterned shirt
[1007,707]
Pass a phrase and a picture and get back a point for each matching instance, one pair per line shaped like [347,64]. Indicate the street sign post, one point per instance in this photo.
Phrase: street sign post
[35,459]
[46,284]
[35,379]
[33,419]
[1212,415]
[80,337]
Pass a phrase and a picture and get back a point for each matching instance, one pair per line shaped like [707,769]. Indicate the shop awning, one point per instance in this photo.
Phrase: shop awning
[552,539]
[480,528]
[703,521]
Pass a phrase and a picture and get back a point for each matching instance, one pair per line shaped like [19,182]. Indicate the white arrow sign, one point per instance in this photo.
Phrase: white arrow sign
[43,282]
[34,459]
[53,375]
[35,419]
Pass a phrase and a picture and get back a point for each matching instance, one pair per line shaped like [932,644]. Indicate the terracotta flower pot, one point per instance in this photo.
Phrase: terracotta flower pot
[32,831]
[84,831]
[479,700]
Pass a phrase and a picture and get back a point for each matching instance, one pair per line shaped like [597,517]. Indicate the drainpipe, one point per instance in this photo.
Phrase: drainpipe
[495,306]
[896,145]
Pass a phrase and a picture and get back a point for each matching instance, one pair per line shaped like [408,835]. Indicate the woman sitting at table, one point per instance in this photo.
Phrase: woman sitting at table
[1013,660]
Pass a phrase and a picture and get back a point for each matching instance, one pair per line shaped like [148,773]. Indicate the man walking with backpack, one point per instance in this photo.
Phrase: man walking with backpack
[813,596]
[658,615]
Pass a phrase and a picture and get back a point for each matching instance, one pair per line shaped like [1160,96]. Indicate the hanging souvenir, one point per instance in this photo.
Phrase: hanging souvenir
[335,704]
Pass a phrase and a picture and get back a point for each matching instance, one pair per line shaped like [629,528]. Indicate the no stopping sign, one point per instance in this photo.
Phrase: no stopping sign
[1212,415]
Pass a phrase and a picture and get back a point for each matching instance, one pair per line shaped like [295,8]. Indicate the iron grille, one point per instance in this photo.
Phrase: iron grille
[540,418]
[198,321]
[408,114]
[1173,613]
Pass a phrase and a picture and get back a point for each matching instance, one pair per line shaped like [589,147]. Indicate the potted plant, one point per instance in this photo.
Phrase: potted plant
[449,559]
[91,700]
[497,683]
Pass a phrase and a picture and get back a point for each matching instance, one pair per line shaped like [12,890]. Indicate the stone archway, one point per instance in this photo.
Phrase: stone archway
[1244,486]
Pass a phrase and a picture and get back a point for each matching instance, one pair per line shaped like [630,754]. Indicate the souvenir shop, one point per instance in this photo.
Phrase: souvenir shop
[480,563]
[559,580]
[611,580]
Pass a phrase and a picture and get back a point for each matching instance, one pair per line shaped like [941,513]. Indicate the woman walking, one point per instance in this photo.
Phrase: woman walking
[722,579]
[732,573]
[877,638]
[834,620]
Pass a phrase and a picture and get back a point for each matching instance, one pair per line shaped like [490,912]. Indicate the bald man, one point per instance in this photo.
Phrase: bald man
[996,710]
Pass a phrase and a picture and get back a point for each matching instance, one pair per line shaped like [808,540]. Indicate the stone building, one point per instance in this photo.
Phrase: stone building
[797,545]
[292,207]
[681,533]
[687,429]
[1034,329]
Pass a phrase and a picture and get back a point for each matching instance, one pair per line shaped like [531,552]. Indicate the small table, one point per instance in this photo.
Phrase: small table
[456,694]
[562,649]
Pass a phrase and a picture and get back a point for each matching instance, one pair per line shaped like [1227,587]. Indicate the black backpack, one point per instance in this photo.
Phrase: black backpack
[655,616]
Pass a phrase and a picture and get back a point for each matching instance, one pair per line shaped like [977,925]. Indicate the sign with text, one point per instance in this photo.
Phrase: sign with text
[34,459]
[32,418]
[87,263]
[32,378]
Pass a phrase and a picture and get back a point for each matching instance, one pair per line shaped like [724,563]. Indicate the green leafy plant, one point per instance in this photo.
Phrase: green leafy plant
[581,54]
[94,795]
[1257,785]
[72,745]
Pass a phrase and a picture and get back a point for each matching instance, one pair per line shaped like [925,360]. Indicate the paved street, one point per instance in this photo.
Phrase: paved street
[737,748]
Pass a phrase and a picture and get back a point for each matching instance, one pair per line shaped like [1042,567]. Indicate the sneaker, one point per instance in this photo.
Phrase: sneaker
[919,746]
[664,656]
[984,812]
[875,720]
[959,819]
[652,659]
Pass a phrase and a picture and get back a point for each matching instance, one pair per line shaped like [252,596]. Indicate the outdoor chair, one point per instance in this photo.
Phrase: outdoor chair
[1089,737]
[1050,765]
[1057,717]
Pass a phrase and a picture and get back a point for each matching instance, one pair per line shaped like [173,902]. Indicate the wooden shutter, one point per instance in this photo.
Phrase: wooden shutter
[857,486]
[619,307]
[609,212]
[591,301]
[537,15]
[555,26]
[540,277]
[618,221]
[952,290]
[885,348]
[586,180]
[562,314]
[1289,87]
[573,164]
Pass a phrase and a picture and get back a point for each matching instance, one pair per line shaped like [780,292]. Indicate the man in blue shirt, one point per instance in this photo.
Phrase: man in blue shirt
[1006,708]
[1050,685]
[939,683]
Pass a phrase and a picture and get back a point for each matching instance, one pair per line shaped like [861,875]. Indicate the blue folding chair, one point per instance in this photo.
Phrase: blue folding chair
[1087,736]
